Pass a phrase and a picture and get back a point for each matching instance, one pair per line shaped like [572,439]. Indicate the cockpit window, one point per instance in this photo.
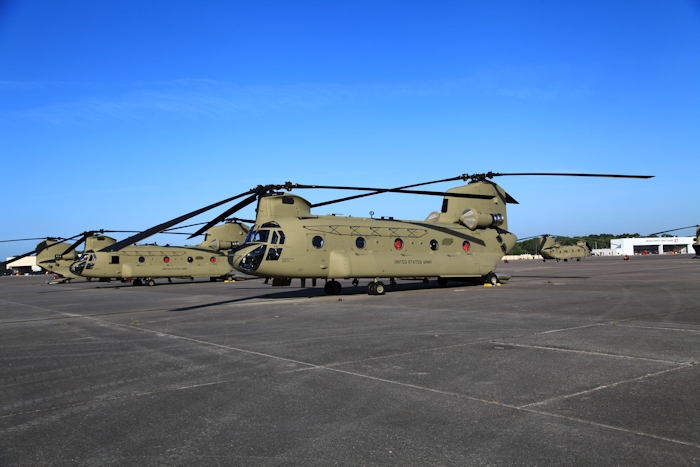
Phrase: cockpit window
[257,236]
[277,238]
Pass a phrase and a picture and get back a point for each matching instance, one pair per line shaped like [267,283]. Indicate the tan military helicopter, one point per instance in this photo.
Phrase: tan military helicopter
[466,240]
[55,255]
[142,264]
[549,248]
[696,245]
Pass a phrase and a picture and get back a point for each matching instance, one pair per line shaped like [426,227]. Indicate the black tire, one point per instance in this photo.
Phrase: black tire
[492,279]
[370,288]
[379,288]
[212,279]
[150,282]
[332,287]
[138,282]
[442,281]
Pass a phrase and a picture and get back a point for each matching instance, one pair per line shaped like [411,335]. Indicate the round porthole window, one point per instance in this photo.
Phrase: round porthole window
[434,245]
[166,260]
[190,259]
[360,243]
[398,244]
[141,259]
[212,259]
[317,241]
[466,246]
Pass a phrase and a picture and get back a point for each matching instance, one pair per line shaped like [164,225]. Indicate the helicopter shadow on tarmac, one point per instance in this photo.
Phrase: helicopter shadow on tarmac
[315,292]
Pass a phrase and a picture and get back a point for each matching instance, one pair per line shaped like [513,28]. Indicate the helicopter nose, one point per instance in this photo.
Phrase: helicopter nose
[77,268]
[248,259]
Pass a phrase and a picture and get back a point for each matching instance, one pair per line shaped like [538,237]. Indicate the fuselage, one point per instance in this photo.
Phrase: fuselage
[152,262]
[208,259]
[340,247]
[289,242]
[549,249]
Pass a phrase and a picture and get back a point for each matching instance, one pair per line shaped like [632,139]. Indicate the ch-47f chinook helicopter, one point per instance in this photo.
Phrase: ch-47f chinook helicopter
[55,255]
[466,240]
[696,245]
[549,248]
[144,263]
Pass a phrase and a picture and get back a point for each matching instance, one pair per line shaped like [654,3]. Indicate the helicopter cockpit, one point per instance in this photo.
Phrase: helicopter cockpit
[86,261]
[267,234]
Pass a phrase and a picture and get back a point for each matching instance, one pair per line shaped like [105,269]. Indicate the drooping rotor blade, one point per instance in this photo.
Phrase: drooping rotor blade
[225,214]
[16,258]
[183,226]
[529,238]
[348,198]
[23,239]
[673,230]
[76,244]
[166,225]
[538,174]
[399,190]
[238,219]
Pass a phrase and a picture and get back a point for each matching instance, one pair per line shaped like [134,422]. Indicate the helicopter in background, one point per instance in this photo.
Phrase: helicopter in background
[139,264]
[549,248]
[465,240]
[142,264]
[55,254]
[696,245]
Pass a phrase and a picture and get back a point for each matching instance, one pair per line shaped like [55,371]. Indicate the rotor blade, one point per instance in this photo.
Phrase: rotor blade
[23,239]
[76,244]
[166,225]
[491,175]
[398,190]
[225,214]
[339,200]
[184,226]
[17,258]
[673,230]
[528,238]
[238,219]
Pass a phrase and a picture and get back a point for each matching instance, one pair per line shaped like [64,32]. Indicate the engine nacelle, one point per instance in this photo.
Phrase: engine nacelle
[476,220]
[220,245]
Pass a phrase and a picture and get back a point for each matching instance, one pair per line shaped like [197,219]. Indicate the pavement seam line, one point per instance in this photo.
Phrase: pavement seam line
[587,352]
[660,328]
[606,386]
[611,427]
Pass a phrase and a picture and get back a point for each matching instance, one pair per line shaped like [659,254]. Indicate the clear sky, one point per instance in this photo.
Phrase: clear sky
[123,114]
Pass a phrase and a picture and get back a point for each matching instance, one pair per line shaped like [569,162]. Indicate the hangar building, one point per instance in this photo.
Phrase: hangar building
[652,246]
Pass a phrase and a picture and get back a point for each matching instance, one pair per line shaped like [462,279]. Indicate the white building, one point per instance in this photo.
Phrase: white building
[23,264]
[652,246]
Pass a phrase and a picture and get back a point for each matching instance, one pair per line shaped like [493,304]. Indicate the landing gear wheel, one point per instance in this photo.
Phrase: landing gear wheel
[379,288]
[442,281]
[578,259]
[333,287]
[370,288]
[492,279]
[138,282]
[150,282]
[565,260]
[212,279]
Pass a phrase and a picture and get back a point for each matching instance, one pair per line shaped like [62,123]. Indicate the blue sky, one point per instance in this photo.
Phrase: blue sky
[123,114]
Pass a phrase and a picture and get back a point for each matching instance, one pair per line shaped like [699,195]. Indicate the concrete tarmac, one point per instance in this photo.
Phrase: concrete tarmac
[570,363]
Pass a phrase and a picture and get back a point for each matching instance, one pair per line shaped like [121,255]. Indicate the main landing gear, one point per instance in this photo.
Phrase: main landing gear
[376,288]
[492,279]
[148,281]
[333,287]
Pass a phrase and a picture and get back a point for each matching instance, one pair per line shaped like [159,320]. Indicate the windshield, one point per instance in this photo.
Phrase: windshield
[257,236]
